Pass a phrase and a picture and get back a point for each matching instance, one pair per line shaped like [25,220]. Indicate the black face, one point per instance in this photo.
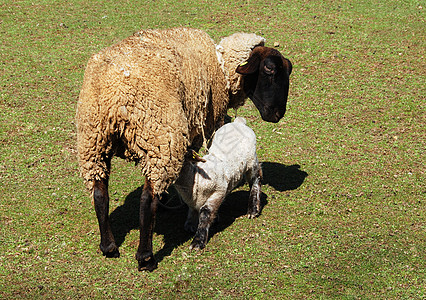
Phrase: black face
[267,83]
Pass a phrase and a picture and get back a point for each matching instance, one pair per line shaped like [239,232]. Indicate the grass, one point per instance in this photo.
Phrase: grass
[344,188]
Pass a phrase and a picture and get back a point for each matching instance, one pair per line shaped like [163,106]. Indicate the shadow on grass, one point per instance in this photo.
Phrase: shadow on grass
[281,177]
[234,206]
[170,223]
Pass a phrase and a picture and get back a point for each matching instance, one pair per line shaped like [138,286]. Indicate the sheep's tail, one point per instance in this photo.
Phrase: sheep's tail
[240,120]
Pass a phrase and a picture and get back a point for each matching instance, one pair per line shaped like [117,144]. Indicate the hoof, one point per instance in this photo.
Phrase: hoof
[111,251]
[146,264]
[197,245]
[252,215]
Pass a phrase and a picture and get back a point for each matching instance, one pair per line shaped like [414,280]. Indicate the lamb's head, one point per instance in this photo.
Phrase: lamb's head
[265,81]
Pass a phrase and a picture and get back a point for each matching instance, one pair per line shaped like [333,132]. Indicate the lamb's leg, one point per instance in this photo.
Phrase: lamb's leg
[206,217]
[101,201]
[147,212]
[255,191]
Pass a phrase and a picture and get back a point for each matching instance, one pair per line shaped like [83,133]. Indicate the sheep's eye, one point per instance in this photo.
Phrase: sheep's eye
[268,71]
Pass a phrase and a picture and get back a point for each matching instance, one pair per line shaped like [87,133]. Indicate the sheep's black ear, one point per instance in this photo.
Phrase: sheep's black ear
[289,65]
[250,66]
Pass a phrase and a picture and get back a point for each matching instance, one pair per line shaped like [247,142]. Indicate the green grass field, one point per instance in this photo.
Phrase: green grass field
[344,187]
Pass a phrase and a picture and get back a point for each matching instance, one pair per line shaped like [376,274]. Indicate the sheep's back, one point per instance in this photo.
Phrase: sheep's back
[204,88]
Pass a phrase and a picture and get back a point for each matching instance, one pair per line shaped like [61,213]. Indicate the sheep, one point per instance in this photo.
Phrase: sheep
[153,95]
[204,184]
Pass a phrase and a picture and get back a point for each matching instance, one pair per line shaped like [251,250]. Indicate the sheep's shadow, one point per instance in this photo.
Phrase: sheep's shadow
[281,177]
[234,206]
[170,223]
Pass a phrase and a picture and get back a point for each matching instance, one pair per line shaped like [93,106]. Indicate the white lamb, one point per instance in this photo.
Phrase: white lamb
[204,182]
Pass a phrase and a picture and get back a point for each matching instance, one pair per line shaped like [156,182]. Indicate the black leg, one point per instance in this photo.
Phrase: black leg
[254,198]
[101,200]
[148,209]
[206,218]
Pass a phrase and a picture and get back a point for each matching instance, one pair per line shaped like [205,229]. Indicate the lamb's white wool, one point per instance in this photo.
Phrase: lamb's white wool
[205,184]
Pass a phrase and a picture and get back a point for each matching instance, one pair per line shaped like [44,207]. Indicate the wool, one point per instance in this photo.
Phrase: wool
[204,183]
[236,49]
[231,156]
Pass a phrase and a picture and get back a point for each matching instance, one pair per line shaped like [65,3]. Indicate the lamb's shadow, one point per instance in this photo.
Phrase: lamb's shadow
[234,206]
[281,177]
[170,223]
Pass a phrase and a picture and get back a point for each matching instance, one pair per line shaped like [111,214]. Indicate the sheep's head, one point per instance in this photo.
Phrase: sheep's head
[266,76]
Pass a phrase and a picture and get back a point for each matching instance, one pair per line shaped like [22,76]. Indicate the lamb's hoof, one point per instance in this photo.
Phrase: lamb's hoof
[147,263]
[197,245]
[111,251]
[253,213]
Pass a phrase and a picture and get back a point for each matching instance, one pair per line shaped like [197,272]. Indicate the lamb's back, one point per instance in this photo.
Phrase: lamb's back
[233,141]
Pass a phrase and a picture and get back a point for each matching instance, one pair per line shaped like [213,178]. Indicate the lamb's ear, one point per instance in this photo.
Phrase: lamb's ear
[251,65]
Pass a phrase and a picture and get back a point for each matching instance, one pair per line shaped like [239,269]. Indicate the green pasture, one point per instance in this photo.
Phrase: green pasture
[344,170]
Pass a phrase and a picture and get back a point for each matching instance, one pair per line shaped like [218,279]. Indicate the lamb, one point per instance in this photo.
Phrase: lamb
[158,92]
[204,184]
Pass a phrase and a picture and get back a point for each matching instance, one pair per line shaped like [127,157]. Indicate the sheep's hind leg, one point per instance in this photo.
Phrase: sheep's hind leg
[101,201]
[254,198]
[147,212]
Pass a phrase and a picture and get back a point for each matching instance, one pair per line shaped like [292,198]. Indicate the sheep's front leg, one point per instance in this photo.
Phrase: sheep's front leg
[101,201]
[254,198]
[147,212]
[207,215]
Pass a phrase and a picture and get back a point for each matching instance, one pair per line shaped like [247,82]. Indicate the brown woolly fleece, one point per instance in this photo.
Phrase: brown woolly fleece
[148,98]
